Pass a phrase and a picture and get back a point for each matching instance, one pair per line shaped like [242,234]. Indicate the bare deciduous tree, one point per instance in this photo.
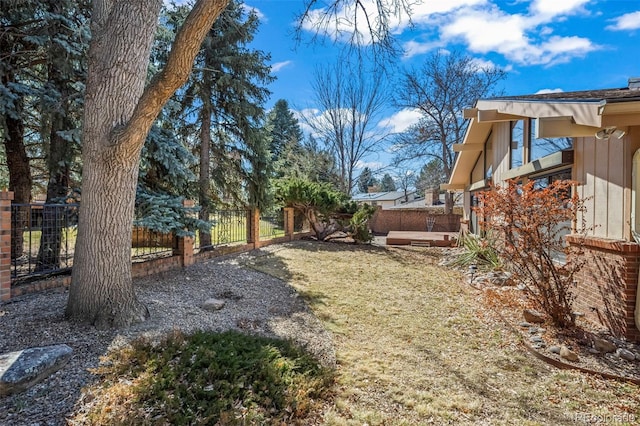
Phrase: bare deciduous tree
[351,106]
[440,89]
[358,22]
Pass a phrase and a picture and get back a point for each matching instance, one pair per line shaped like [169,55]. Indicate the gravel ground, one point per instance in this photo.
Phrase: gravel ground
[255,303]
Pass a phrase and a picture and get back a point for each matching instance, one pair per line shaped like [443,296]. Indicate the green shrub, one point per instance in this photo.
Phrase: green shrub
[206,378]
[359,224]
[479,251]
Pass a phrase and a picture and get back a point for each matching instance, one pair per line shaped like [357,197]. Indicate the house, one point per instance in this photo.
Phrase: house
[385,199]
[592,137]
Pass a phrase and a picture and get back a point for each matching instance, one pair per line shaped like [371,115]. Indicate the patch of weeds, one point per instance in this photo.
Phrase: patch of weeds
[207,378]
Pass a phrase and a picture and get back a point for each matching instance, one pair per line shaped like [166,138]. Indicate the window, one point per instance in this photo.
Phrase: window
[563,228]
[516,150]
[488,158]
[541,147]
[544,181]
[474,227]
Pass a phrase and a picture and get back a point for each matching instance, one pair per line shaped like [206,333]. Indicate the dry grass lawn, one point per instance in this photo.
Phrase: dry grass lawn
[415,346]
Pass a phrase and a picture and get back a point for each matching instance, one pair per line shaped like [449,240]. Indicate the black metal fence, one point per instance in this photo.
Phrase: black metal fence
[229,227]
[272,225]
[43,238]
[147,244]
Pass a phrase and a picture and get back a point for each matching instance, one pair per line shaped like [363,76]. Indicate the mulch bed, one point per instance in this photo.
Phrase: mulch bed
[507,303]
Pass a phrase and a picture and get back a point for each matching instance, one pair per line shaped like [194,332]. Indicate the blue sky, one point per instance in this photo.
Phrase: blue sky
[544,45]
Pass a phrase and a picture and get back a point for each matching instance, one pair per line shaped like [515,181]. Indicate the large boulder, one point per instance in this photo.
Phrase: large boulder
[22,369]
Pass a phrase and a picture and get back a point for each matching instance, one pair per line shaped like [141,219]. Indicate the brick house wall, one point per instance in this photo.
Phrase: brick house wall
[384,221]
[607,284]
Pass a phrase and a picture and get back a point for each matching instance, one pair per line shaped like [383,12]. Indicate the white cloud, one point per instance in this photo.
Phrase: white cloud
[302,116]
[413,48]
[545,91]
[519,38]
[354,17]
[630,21]
[525,38]
[280,65]
[483,64]
[401,120]
[248,9]
[488,30]
[373,165]
[554,8]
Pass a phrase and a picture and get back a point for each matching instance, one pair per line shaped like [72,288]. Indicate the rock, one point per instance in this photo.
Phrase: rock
[524,324]
[532,316]
[568,354]
[536,339]
[554,349]
[213,304]
[625,354]
[22,369]
[603,346]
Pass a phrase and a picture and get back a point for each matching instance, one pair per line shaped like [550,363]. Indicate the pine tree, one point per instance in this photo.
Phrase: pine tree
[387,183]
[431,176]
[284,130]
[222,103]
[366,180]
[43,45]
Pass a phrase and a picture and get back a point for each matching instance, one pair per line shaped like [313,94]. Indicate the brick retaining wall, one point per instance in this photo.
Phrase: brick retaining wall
[384,221]
[607,285]
[183,253]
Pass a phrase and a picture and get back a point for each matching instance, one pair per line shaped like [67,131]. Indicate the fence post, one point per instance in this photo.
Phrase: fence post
[288,222]
[5,244]
[253,227]
[183,246]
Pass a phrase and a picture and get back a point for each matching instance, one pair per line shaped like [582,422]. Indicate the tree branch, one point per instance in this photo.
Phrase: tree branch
[179,64]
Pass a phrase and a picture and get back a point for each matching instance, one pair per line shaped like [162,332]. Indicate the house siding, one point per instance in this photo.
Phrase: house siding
[604,170]
[606,287]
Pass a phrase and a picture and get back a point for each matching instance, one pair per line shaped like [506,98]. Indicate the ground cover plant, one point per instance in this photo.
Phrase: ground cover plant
[415,346]
[206,378]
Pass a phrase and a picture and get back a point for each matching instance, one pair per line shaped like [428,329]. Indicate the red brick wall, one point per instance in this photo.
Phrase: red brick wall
[384,221]
[607,285]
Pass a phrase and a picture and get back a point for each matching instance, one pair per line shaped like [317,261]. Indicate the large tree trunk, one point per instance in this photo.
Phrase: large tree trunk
[118,114]
[16,154]
[19,180]
[205,163]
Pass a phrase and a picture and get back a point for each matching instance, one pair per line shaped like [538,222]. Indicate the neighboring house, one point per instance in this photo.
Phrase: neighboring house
[592,137]
[385,199]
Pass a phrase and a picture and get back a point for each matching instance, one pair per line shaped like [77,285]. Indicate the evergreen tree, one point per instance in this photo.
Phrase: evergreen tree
[387,183]
[284,130]
[222,103]
[43,45]
[366,180]
[431,176]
